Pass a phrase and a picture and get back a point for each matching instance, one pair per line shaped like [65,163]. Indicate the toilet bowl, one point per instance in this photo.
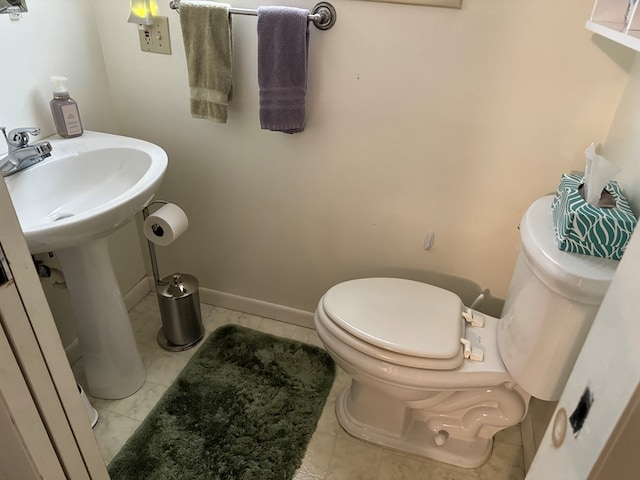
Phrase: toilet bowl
[435,378]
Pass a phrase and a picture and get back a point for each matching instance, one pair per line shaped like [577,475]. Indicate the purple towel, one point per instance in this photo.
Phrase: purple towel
[283,38]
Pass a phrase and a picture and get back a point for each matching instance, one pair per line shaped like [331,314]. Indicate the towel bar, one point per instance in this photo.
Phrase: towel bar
[323,14]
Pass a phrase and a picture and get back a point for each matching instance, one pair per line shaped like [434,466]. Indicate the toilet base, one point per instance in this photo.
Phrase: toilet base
[444,436]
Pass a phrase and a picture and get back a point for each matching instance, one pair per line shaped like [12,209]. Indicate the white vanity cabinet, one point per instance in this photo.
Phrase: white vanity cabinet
[608,19]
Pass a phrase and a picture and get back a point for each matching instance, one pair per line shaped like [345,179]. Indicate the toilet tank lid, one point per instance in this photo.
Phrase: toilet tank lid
[403,316]
[582,278]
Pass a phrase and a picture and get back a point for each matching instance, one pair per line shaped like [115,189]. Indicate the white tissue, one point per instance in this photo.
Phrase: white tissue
[598,171]
[165,225]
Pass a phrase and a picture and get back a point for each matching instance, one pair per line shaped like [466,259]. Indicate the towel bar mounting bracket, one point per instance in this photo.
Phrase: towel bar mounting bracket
[327,15]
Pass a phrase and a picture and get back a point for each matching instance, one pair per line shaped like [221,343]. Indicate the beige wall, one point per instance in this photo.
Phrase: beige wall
[60,38]
[419,119]
[622,144]
[53,38]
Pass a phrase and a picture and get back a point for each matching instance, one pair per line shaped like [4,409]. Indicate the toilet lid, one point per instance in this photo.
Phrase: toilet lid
[402,316]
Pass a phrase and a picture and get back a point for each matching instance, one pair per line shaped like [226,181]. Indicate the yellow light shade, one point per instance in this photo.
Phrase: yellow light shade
[143,11]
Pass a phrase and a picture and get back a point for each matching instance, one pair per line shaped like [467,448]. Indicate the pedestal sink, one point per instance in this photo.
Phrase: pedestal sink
[68,204]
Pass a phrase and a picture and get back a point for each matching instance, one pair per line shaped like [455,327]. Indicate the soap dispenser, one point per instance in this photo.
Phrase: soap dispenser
[64,110]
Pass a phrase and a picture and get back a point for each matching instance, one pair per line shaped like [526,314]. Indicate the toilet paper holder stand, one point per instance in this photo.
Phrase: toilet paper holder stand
[179,302]
[152,247]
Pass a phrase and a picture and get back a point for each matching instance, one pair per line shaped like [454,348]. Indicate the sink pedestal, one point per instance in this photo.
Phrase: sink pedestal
[111,360]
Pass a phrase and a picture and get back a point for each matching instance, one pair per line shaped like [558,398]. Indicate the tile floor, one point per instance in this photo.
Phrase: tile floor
[332,453]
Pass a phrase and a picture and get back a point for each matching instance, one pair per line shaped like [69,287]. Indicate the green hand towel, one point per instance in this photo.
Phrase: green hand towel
[206,32]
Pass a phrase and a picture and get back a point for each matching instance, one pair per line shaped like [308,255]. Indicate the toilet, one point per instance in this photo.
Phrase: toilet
[435,378]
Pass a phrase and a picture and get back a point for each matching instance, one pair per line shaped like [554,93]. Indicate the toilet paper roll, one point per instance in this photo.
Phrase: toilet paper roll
[165,225]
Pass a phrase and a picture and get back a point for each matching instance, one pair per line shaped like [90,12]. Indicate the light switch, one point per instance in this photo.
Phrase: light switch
[155,38]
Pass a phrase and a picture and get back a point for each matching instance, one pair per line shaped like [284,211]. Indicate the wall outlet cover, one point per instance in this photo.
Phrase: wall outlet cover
[155,38]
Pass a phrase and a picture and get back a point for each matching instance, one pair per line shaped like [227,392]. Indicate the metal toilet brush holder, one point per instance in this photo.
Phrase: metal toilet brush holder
[179,303]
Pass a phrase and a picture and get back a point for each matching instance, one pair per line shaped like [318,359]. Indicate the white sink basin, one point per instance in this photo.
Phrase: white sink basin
[90,186]
[68,204]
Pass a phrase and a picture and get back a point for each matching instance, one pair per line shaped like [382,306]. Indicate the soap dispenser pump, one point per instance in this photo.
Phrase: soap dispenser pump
[64,110]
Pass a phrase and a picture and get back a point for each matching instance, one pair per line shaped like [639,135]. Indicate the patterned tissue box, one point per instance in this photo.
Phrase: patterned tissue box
[584,228]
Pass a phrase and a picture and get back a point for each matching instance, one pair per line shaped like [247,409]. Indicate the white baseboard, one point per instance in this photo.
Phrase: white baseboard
[231,301]
[151,284]
[257,307]
[137,293]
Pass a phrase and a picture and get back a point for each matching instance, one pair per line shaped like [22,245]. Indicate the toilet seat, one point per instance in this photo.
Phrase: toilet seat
[385,333]
[399,321]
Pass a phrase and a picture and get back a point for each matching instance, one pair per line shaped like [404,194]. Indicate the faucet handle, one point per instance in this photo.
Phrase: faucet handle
[19,137]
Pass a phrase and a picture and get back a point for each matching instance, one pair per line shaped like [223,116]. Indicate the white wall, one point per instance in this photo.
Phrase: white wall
[53,38]
[60,38]
[418,119]
[622,144]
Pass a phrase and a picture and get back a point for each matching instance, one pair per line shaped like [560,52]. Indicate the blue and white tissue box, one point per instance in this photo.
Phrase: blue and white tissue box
[584,228]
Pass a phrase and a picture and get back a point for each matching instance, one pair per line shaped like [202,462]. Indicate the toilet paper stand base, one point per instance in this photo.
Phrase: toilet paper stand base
[179,302]
[166,345]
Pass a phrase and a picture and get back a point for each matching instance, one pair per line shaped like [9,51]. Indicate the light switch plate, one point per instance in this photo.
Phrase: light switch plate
[155,38]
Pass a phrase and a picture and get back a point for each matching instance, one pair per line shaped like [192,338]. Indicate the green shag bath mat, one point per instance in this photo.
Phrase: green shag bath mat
[244,408]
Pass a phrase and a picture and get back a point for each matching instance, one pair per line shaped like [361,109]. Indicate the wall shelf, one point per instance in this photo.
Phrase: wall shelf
[608,20]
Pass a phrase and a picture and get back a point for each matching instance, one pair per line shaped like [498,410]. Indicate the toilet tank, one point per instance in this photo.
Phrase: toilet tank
[552,301]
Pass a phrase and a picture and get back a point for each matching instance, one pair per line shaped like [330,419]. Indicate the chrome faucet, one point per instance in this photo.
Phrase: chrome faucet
[21,155]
